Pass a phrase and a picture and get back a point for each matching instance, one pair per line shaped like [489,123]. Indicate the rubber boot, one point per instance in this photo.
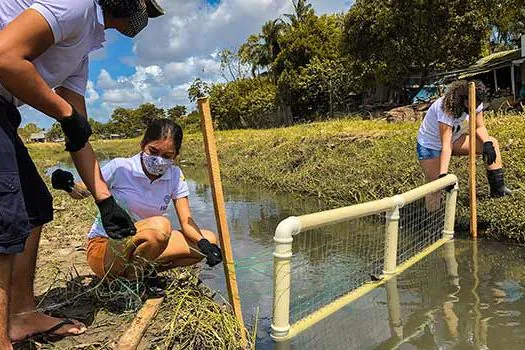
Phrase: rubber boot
[497,184]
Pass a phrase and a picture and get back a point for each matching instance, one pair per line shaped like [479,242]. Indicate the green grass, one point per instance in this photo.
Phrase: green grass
[346,162]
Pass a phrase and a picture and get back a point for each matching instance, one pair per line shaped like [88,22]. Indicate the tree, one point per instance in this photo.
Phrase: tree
[27,130]
[198,89]
[314,38]
[148,112]
[302,9]
[232,66]
[98,128]
[176,112]
[261,50]
[125,122]
[393,39]
[55,132]
[506,22]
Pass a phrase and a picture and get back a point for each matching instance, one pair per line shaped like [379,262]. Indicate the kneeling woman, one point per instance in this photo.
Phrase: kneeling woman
[145,185]
[443,134]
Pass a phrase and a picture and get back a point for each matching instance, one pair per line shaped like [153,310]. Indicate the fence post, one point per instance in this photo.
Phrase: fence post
[282,276]
[392,232]
[450,212]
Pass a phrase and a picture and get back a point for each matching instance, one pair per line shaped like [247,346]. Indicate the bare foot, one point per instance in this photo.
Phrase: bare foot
[24,326]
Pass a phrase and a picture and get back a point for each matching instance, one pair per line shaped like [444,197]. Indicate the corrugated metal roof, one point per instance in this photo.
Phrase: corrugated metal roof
[486,64]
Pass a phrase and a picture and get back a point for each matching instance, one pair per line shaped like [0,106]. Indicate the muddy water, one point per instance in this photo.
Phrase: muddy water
[464,296]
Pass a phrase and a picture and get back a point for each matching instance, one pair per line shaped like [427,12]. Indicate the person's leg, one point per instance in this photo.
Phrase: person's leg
[6,262]
[129,258]
[25,321]
[495,173]
[462,148]
[14,221]
[181,251]
[431,170]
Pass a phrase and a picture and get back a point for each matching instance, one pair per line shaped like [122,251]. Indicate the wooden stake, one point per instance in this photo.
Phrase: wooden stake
[472,158]
[220,211]
[132,337]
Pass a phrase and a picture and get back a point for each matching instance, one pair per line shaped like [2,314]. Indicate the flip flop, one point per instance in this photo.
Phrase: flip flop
[50,336]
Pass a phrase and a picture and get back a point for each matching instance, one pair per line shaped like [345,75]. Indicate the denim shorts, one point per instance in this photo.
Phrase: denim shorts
[425,153]
[25,201]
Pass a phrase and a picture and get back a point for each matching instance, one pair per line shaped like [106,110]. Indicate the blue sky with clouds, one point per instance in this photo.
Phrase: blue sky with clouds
[160,63]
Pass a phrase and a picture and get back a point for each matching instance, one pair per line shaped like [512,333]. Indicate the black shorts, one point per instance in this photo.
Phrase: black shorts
[25,201]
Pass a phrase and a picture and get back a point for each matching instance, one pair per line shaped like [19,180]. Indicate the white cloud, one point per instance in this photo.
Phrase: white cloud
[182,45]
[105,81]
[91,94]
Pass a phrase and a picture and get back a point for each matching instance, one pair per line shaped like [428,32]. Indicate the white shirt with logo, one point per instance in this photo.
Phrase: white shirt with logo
[135,192]
[429,135]
[78,29]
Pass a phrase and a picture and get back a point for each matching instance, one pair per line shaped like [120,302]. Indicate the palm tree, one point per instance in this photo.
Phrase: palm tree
[271,33]
[302,10]
[260,51]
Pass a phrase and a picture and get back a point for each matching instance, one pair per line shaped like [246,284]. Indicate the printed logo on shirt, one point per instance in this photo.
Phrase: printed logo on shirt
[166,201]
[460,128]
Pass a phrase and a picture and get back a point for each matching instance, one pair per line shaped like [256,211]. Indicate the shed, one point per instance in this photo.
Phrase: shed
[38,137]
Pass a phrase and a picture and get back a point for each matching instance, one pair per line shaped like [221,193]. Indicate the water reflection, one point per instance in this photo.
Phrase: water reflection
[466,295]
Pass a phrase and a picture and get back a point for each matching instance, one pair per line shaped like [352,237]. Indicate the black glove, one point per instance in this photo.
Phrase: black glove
[212,252]
[448,188]
[489,153]
[62,180]
[77,131]
[115,220]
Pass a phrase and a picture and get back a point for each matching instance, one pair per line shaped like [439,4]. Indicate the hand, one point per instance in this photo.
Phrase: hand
[62,180]
[448,188]
[80,192]
[489,153]
[77,131]
[116,221]
[212,252]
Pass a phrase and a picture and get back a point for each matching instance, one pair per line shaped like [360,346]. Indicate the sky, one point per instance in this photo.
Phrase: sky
[160,63]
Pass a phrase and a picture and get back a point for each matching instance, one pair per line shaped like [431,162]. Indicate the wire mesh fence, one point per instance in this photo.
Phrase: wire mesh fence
[333,261]
[421,225]
[328,263]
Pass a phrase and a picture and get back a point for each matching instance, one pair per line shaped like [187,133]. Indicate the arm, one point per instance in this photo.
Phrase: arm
[481,131]
[189,228]
[445,132]
[21,41]
[85,160]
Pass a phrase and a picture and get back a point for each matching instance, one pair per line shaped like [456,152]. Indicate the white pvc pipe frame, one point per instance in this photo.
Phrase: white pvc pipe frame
[281,328]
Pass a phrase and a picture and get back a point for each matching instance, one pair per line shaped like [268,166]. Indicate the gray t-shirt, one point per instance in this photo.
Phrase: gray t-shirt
[429,135]
[78,29]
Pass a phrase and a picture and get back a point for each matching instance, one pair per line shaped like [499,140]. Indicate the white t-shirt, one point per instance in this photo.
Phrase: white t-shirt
[429,135]
[135,192]
[78,29]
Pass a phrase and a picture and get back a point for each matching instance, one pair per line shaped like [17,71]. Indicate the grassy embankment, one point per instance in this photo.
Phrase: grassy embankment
[351,161]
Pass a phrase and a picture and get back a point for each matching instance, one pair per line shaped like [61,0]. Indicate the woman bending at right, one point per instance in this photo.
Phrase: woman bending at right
[444,131]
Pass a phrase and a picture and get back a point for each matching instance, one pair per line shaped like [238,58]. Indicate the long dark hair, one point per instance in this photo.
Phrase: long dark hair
[161,129]
[456,97]
[121,8]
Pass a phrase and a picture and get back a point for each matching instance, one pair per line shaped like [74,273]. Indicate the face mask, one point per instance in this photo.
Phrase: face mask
[137,23]
[156,165]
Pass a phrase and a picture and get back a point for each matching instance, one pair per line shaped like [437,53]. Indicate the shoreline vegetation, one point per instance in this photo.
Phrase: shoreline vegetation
[341,162]
[344,162]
